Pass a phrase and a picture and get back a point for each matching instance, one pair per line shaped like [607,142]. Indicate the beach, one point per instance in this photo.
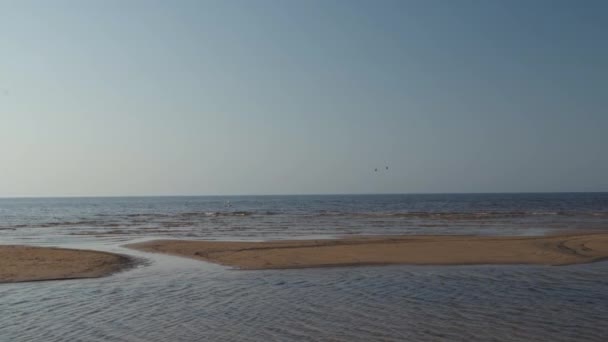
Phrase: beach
[27,263]
[214,289]
[413,250]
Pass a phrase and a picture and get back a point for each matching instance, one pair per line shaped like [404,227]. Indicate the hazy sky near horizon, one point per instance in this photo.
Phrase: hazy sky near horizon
[275,97]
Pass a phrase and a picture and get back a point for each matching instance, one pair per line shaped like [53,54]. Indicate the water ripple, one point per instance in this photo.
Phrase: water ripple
[393,303]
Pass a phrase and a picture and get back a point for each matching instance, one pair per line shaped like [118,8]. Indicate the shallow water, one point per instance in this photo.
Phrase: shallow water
[186,300]
[176,299]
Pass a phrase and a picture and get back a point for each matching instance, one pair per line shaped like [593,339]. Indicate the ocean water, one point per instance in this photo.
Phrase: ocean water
[175,299]
[283,217]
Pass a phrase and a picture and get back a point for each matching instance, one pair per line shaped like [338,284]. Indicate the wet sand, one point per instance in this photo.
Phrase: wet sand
[414,250]
[26,263]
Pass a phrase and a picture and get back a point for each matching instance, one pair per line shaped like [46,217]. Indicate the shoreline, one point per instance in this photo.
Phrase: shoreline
[22,263]
[412,250]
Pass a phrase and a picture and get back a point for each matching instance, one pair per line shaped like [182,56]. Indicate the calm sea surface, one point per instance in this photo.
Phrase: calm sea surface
[176,299]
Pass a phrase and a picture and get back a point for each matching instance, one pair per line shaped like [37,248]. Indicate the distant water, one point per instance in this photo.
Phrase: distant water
[280,217]
[176,299]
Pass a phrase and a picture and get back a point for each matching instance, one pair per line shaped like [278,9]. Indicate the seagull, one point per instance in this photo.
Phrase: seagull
[375,170]
[387,167]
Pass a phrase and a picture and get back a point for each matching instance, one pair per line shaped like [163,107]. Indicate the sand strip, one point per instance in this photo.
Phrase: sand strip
[25,263]
[415,250]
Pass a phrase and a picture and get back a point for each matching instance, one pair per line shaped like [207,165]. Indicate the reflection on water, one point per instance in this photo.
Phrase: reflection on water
[185,300]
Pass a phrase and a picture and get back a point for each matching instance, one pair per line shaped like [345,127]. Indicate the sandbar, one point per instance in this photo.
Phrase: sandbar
[28,263]
[414,250]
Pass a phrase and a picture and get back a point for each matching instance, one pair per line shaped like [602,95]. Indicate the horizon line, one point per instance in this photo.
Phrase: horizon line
[301,194]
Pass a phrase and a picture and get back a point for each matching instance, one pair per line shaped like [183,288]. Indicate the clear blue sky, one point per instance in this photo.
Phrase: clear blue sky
[273,97]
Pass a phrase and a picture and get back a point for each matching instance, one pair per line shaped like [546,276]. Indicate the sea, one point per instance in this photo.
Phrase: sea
[168,298]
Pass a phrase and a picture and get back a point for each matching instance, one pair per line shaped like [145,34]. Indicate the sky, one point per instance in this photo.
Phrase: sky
[117,98]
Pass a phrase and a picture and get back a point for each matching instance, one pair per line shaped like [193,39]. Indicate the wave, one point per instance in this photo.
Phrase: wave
[185,219]
[457,215]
